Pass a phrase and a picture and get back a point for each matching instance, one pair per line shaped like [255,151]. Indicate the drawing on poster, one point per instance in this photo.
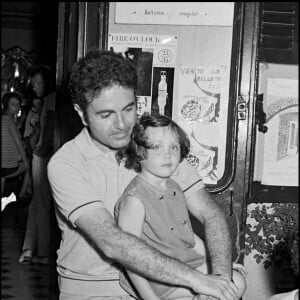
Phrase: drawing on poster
[281,142]
[288,138]
[199,114]
[162,91]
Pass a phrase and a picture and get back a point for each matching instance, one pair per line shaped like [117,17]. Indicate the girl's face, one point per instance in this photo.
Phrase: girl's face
[13,106]
[164,156]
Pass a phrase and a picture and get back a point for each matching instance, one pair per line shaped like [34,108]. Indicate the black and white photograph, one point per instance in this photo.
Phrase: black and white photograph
[149,150]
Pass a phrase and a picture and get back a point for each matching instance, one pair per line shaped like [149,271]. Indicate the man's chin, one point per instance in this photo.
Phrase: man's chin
[120,144]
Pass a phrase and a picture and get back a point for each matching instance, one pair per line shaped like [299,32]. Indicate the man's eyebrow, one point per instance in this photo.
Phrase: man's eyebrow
[112,111]
[130,104]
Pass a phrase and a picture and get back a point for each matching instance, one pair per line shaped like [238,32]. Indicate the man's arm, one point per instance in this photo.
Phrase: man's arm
[217,235]
[98,226]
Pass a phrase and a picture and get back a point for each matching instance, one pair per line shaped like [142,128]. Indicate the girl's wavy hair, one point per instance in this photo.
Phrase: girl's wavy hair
[136,150]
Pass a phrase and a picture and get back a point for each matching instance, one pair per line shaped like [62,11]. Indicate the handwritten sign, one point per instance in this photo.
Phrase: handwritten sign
[175,13]
[201,90]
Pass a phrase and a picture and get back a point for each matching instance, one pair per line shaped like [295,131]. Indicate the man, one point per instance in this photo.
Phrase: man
[87,180]
[38,228]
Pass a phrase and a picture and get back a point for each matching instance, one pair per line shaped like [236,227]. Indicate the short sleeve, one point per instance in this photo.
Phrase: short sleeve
[188,178]
[72,188]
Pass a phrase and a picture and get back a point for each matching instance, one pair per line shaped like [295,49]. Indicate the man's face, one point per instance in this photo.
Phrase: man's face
[38,84]
[111,117]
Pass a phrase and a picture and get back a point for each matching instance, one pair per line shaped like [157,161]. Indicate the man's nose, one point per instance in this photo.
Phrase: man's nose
[120,123]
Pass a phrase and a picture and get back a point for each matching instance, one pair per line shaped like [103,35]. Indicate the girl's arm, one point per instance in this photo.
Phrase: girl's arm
[131,219]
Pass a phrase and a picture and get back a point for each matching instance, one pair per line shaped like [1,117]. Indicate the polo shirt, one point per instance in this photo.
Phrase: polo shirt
[84,177]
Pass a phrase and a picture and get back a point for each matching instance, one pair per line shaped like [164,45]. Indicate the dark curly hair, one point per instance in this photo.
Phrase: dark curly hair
[99,70]
[8,96]
[135,152]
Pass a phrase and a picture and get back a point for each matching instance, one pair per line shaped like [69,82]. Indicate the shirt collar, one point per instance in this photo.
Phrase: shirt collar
[88,148]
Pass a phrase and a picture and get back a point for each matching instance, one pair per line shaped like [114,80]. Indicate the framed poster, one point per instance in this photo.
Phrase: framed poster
[277,150]
[281,141]
[276,163]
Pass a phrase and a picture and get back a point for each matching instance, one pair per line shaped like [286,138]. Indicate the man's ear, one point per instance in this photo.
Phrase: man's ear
[81,114]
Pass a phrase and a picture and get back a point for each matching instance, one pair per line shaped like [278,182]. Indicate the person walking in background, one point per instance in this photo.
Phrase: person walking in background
[37,235]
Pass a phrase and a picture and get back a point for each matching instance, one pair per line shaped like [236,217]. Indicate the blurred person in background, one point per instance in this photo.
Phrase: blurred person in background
[37,236]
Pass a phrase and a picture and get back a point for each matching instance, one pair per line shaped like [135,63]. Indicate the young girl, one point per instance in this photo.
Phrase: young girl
[13,155]
[153,206]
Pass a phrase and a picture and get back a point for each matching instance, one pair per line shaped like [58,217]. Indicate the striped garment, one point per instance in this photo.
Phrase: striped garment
[9,151]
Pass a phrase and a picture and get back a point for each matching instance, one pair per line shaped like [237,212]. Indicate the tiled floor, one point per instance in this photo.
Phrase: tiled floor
[24,282]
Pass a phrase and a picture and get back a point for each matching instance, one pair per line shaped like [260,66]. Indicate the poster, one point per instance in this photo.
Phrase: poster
[154,57]
[281,141]
[187,13]
[201,93]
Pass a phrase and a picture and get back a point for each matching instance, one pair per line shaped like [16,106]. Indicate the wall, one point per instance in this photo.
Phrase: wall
[31,26]
[25,38]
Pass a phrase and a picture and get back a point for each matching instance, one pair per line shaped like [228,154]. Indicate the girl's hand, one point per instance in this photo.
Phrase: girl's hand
[241,269]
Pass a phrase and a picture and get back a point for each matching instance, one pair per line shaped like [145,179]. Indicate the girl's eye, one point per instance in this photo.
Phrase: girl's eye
[175,148]
[155,147]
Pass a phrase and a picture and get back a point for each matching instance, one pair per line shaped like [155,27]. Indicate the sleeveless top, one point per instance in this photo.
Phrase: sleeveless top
[9,151]
[167,226]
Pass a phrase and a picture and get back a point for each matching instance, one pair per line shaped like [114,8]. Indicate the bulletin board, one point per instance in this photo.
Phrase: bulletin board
[186,46]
